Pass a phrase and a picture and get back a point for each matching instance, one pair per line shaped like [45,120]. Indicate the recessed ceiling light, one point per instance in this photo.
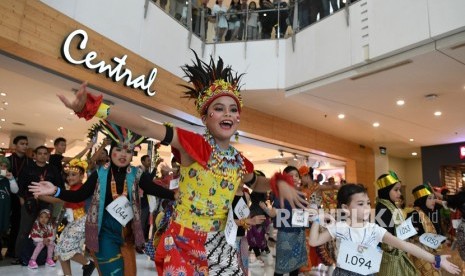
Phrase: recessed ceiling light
[437,113]
[400,102]
[2,108]
[51,141]
[411,140]
[375,124]
[2,119]
[5,103]
[3,94]
[341,116]
[3,144]
[45,144]
[414,153]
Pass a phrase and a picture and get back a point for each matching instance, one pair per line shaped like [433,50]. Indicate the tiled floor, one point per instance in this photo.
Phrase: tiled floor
[146,267]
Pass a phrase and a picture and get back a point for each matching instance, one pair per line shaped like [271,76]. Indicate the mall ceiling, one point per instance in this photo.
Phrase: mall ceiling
[33,108]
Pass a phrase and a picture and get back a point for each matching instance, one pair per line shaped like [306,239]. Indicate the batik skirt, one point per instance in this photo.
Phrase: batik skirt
[71,239]
[291,252]
[460,234]
[183,251]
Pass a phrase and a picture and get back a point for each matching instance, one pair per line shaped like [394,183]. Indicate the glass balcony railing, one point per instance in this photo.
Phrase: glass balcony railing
[248,20]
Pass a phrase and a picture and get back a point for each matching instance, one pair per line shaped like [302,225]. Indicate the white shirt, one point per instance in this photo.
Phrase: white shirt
[369,235]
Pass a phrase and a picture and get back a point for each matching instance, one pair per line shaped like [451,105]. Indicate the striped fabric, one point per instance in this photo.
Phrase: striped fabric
[222,258]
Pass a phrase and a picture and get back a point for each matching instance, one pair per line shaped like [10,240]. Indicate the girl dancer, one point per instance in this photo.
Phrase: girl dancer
[423,205]
[211,170]
[395,261]
[113,230]
[71,242]
[357,229]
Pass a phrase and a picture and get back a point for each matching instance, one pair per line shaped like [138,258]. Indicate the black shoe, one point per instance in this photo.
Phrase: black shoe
[88,269]
[16,262]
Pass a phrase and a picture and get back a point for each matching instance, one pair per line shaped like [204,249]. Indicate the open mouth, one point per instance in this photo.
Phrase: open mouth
[122,160]
[226,124]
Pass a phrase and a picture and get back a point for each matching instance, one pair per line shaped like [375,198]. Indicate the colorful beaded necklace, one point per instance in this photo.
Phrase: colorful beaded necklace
[223,163]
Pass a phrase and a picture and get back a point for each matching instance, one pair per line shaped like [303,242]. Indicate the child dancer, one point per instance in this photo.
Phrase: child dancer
[211,170]
[43,235]
[110,239]
[395,261]
[291,251]
[354,201]
[423,205]
[71,242]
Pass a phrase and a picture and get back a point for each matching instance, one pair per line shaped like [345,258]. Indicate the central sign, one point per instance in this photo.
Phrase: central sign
[117,72]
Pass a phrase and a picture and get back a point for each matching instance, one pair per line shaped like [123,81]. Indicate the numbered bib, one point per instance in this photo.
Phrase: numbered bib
[121,210]
[432,240]
[456,223]
[174,183]
[241,209]
[358,258]
[299,217]
[406,229]
[230,230]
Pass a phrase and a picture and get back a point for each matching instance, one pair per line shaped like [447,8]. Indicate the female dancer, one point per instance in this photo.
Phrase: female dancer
[388,216]
[108,236]
[71,242]
[357,231]
[423,205]
[211,170]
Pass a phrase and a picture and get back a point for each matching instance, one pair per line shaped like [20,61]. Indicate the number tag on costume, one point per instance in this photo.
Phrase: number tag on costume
[230,231]
[432,240]
[456,223]
[299,217]
[121,210]
[174,183]
[406,229]
[241,209]
[358,258]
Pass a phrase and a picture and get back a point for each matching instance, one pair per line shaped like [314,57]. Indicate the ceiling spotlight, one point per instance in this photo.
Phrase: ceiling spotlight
[431,96]
[5,103]
[295,157]
[437,113]
[414,153]
[400,102]
[3,94]
[341,116]
[375,124]
[2,119]
[51,141]
[411,140]
[281,154]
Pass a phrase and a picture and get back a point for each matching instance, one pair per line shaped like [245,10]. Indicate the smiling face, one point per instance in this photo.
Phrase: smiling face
[74,177]
[222,119]
[121,157]
[359,207]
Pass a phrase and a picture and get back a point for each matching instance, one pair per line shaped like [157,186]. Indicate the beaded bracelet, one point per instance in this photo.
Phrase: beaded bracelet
[57,192]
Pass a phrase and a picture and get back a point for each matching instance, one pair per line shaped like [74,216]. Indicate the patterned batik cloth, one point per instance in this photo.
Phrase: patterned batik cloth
[182,251]
[291,252]
[460,234]
[71,239]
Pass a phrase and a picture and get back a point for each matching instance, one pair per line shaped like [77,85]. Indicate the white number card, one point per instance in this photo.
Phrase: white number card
[174,183]
[230,231]
[406,229]
[121,210]
[432,240]
[456,223]
[299,217]
[358,258]
[241,209]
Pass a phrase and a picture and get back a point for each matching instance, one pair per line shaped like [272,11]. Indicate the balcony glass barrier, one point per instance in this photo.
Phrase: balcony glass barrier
[245,20]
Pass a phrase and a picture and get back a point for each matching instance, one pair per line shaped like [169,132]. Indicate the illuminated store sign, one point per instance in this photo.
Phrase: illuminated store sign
[117,73]
[462,152]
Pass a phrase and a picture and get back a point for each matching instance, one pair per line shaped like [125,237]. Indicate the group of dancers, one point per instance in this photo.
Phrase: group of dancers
[211,173]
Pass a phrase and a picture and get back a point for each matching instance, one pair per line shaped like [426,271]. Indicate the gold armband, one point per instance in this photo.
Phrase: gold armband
[103,111]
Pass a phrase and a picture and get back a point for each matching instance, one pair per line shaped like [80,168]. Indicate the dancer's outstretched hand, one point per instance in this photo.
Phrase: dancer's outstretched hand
[42,188]
[294,197]
[76,104]
[448,266]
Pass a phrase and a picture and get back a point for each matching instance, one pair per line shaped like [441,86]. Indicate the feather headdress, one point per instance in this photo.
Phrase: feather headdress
[211,81]
[122,136]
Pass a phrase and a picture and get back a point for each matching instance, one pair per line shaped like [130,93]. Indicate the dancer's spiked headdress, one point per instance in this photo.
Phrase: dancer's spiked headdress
[78,165]
[120,136]
[210,82]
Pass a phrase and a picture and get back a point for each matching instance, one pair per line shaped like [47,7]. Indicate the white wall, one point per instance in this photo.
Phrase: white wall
[377,29]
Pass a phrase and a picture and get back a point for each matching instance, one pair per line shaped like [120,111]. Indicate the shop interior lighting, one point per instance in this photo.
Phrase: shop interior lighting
[400,102]
[437,113]
[375,124]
